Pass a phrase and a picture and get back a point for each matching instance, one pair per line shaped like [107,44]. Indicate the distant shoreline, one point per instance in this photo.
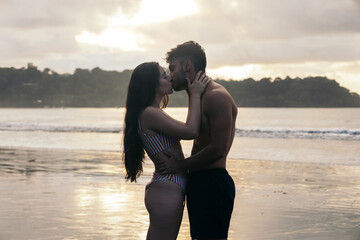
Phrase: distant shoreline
[31,88]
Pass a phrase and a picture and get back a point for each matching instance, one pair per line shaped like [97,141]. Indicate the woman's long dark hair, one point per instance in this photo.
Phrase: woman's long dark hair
[141,93]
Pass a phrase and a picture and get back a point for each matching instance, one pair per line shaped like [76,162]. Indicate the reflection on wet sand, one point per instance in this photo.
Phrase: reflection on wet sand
[83,195]
[109,207]
[279,200]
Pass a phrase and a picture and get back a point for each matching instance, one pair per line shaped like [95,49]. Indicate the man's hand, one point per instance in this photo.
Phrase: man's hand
[170,164]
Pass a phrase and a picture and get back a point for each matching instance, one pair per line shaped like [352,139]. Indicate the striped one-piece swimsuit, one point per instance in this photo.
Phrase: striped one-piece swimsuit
[154,144]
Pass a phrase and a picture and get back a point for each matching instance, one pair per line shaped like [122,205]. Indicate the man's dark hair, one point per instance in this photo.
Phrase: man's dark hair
[188,50]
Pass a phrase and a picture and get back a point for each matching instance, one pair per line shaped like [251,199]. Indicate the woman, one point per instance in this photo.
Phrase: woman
[148,128]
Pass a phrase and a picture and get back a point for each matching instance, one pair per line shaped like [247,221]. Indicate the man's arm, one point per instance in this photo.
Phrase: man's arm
[218,109]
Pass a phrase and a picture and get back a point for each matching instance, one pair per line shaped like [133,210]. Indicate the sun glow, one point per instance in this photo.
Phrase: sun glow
[233,72]
[111,37]
[345,72]
[121,32]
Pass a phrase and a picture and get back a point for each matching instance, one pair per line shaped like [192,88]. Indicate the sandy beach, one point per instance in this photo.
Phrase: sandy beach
[54,194]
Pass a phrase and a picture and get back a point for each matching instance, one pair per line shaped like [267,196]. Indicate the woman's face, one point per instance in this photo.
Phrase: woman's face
[165,86]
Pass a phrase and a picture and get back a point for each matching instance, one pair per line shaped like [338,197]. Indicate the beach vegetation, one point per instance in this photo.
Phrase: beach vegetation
[31,87]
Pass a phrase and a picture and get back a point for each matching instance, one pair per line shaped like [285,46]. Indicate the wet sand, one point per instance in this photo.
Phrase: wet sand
[52,194]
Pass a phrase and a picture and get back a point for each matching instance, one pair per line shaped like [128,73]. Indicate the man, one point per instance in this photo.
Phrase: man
[210,189]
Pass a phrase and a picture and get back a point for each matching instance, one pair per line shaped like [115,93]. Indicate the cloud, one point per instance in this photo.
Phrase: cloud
[261,31]
[290,18]
[234,33]
[257,20]
[66,13]
[35,30]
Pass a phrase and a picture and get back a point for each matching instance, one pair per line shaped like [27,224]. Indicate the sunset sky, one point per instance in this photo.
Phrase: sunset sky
[242,39]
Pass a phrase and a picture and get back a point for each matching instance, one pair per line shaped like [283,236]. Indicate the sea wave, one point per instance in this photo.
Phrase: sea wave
[308,133]
[335,134]
[58,128]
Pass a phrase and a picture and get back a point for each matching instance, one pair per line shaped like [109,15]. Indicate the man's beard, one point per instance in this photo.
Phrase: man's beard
[181,83]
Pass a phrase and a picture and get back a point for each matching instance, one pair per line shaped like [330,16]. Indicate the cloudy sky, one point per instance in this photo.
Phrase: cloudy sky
[242,38]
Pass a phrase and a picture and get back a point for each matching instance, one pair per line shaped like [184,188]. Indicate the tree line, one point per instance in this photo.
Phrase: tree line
[31,87]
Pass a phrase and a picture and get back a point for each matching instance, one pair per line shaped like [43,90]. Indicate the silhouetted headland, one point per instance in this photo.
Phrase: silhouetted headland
[31,87]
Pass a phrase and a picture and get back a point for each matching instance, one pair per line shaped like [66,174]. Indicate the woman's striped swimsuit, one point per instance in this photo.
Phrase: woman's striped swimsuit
[154,144]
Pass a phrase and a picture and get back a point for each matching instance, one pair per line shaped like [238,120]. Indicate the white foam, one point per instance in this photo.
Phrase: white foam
[306,133]
[58,128]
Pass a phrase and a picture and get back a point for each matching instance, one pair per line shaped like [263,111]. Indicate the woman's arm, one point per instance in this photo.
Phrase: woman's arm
[158,121]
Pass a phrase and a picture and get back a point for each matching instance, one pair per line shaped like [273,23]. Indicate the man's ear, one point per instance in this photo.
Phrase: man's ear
[187,65]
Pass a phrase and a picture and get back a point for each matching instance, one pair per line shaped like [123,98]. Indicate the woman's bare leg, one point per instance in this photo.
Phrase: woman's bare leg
[164,201]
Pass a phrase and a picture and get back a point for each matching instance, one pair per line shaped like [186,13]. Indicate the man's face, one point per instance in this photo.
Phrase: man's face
[178,76]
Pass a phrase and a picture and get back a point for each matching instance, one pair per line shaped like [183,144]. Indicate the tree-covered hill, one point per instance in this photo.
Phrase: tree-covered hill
[30,87]
[288,92]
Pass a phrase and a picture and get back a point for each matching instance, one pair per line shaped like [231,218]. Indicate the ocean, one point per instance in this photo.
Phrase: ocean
[317,135]
[296,172]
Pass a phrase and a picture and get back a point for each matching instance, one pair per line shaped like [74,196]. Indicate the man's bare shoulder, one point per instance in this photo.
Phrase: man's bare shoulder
[215,90]
[216,96]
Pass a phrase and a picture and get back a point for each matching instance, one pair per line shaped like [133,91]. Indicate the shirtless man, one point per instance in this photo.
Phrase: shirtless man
[210,189]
